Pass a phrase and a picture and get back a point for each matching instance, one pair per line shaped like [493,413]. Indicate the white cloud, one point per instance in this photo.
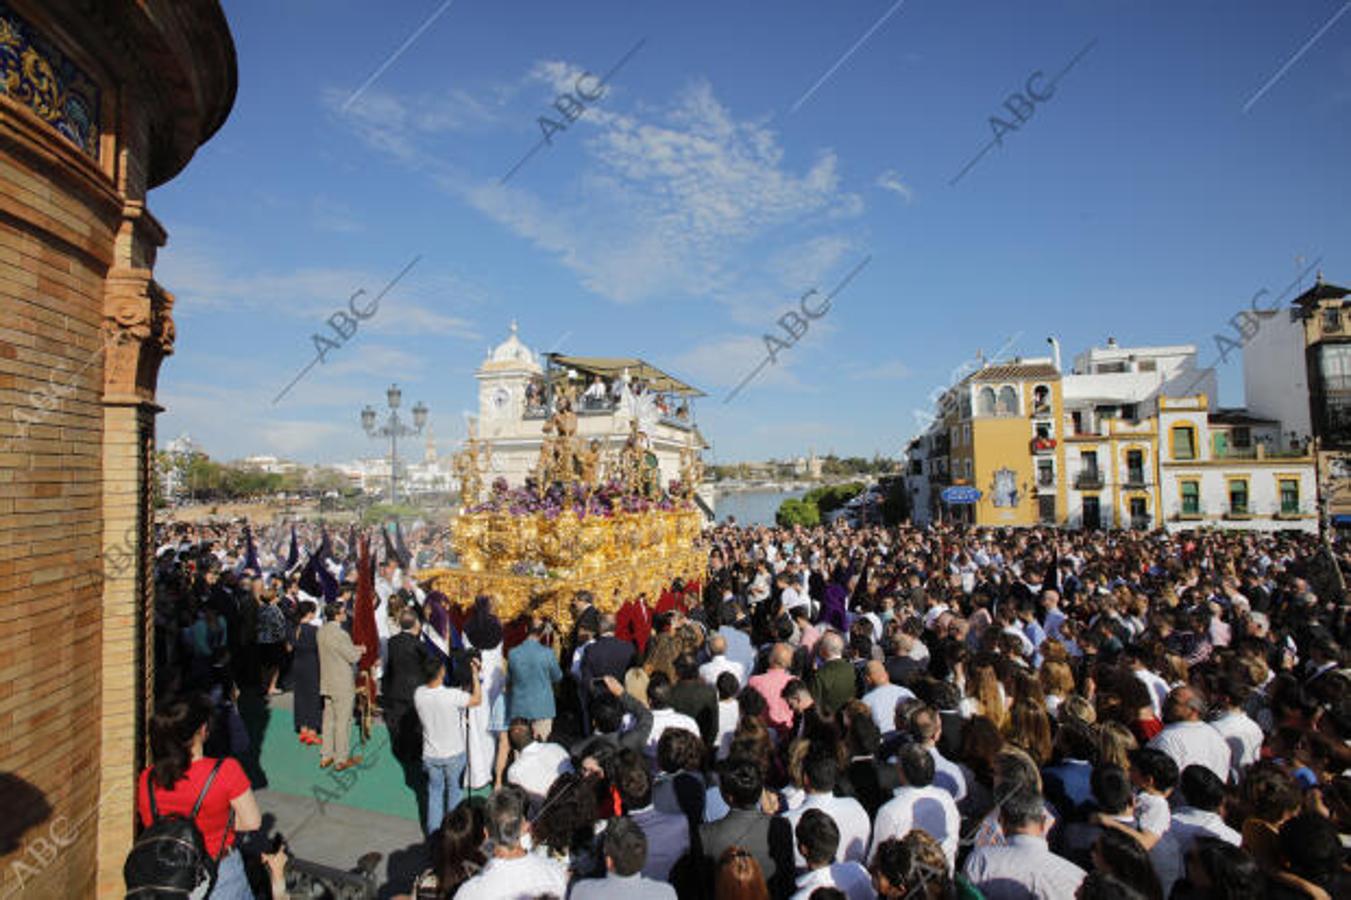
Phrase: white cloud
[724,361]
[891,180]
[413,307]
[673,203]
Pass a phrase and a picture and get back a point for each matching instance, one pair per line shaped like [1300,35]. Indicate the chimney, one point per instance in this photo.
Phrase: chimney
[1055,352]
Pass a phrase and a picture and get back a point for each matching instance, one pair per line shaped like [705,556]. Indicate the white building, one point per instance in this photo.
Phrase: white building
[270,465]
[516,391]
[1275,375]
[1111,402]
[430,475]
[179,451]
[1226,470]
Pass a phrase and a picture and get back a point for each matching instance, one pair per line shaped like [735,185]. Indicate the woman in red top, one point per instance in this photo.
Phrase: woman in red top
[177,734]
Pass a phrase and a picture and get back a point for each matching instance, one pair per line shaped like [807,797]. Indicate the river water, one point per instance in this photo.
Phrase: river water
[752,507]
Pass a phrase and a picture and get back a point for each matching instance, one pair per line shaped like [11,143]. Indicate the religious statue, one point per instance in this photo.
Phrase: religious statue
[588,464]
[637,469]
[558,451]
[691,470]
[470,465]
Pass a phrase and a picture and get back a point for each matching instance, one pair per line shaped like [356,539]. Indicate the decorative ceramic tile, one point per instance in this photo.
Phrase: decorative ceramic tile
[38,75]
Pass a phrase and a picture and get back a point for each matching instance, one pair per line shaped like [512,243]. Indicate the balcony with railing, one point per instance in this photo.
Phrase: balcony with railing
[1046,479]
[1135,478]
[1089,479]
[1043,445]
[1141,522]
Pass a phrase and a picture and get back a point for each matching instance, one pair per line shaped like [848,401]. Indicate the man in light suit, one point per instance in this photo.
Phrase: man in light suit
[533,670]
[337,655]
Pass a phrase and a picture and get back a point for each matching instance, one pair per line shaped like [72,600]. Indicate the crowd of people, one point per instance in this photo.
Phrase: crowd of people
[832,712]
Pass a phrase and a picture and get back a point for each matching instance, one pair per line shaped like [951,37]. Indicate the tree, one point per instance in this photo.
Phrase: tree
[896,502]
[829,498]
[797,512]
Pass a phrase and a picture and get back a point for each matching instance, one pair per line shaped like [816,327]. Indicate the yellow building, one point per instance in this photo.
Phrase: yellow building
[1000,430]
[1126,439]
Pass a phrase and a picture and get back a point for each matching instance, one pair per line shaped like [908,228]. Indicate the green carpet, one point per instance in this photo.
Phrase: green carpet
[376,784]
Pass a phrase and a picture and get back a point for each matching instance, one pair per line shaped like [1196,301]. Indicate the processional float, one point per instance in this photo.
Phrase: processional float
[586,520]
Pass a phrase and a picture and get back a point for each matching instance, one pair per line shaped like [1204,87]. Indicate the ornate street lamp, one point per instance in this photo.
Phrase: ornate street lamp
[393,428]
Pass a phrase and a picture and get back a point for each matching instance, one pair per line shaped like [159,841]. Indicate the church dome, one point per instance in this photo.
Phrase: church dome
[511,354]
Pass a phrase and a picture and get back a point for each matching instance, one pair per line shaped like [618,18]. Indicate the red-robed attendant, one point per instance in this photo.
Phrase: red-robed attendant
[633,622]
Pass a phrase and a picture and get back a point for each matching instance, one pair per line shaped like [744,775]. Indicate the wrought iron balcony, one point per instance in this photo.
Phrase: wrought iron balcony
[1088,480]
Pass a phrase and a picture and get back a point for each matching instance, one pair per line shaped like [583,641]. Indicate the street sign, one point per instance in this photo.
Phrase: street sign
[958,495]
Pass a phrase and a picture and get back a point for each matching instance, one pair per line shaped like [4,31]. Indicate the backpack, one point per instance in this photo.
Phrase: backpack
[169,858]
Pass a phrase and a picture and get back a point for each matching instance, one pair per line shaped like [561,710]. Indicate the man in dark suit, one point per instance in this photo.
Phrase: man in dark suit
[767,838]
[607,656]
[696,698]
[402,676]
[584,615]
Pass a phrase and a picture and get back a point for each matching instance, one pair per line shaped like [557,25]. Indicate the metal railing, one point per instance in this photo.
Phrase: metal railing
[1089,479]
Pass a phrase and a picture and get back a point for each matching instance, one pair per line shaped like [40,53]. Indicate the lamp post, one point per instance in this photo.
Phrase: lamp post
[394,428]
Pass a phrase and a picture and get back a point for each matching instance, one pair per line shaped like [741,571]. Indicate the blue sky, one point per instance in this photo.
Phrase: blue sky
[711,187]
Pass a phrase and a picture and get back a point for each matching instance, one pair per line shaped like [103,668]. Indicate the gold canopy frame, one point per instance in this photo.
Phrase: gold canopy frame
[536,563]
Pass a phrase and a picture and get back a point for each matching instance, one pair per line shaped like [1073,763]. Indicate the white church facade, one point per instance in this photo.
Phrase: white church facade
[518,391]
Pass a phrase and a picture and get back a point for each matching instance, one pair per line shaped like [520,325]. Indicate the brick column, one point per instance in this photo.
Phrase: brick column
[138,331]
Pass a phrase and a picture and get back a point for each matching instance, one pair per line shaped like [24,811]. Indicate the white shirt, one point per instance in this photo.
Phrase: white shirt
[850,817]
[882,701]
[383,591]
[792,599]
[1244,737]
[1023,868]
[930,809]
[517,879]
[663,719]
[1169,855]
[668,839]
[848,877]
[1195,743]
[710,670]
[439,709]
[537,767]
[1152,813]
[1158,689]
[740,650]
[948,776]
[729,715]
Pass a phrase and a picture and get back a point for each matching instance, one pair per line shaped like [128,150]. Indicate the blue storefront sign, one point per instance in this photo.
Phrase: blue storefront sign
[958,495]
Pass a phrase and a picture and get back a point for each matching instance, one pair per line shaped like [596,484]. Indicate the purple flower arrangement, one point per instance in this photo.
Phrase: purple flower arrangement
[605,500]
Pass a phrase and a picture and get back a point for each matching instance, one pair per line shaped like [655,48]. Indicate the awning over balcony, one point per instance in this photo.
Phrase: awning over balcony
[610,367]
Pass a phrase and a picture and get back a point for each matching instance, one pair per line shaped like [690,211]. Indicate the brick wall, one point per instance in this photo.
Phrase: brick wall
[51,535]
[77,419]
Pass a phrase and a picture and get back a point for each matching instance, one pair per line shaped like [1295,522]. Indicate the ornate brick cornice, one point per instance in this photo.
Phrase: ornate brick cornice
[138,332]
